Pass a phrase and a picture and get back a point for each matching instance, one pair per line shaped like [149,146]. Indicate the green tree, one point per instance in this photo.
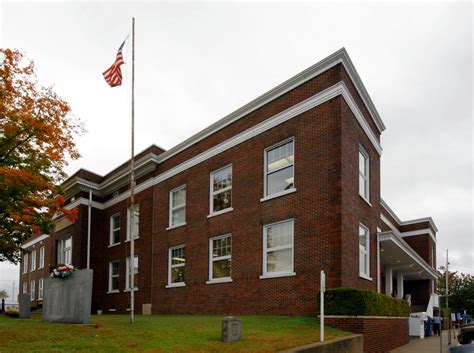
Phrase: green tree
[3,294]
[461,291]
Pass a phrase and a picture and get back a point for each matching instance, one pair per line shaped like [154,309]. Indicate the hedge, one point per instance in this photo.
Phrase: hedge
[356,302]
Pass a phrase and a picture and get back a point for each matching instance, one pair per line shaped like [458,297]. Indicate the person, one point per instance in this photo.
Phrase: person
[436,324]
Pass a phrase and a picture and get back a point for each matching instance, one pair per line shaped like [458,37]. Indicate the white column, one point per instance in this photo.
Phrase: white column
[400,285]
[388,280]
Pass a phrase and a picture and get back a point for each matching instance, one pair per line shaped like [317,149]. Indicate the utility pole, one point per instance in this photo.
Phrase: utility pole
[447,300]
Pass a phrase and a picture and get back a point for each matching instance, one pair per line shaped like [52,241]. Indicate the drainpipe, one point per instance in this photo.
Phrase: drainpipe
[378,260]
[89,214]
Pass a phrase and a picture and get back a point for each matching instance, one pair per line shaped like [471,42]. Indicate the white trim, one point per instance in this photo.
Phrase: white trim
[266,196]
[112,229]
[110,290]
[170,266]
[394,236]
[114,245]
[171,209]
[113,291]
[212,259]
[366,201]
[367,252]
[266,274]
[368,278]
[41,257]
[176,226]
[40,288]
[127,273]
[411,221]
[129,218]
[26,266]
[34,241]
[225,210]
[32,290]
[278,194]
[409,233]
[366,175]
[212,193]
[33,261]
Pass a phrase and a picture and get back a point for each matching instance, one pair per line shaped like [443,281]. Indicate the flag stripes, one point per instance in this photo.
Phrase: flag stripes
[113,75]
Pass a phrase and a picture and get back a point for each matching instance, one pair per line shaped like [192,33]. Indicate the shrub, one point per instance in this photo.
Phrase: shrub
[12,312]
[356,302]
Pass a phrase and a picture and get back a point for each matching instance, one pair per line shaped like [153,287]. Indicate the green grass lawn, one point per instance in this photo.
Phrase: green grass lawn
[158,333]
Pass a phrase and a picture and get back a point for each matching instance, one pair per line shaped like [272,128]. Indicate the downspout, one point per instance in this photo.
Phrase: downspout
[89,214]
[152,242]
[378,260]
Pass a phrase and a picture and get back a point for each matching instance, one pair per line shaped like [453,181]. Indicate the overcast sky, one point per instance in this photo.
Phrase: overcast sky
[197,62]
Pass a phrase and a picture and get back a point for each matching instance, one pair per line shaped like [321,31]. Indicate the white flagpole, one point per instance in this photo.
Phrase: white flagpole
[132,188]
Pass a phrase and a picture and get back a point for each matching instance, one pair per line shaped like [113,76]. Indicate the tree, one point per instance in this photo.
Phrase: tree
[3,294]
[36,140]
[461,291]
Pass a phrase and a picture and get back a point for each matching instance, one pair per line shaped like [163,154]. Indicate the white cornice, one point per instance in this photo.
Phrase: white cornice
[34,241]
[397,239]
[409,233]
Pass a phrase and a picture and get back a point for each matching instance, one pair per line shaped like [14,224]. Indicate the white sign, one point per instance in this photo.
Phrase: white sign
[323,282]
[322,289]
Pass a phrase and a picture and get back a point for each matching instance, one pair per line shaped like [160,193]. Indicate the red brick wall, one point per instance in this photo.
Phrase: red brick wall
[381,334]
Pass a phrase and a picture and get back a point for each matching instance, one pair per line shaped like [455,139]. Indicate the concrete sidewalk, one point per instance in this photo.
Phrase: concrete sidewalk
[427,345]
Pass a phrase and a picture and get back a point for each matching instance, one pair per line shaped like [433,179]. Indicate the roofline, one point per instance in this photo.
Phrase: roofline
[412,221]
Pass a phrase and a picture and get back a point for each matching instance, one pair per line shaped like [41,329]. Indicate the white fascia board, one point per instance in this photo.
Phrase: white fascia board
[34,241]
[397,239]
[85,202]
[390,211]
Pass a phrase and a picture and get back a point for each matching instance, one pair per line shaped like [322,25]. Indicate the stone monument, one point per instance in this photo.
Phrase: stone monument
[231,329]
[25,306]
[68,299]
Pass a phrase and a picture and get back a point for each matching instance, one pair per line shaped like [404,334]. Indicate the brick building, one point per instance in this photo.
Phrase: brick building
[242,217]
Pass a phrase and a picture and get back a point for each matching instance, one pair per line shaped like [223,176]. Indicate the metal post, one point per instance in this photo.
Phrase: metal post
[89,215]
[132,187]
[322,289]
[447,300]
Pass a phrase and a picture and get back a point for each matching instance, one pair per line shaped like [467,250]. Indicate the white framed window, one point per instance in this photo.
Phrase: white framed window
[278,249]
[176,266]
[114,268]
[25,287]
[221,190]
[32,289]
[177,207]
[135,221]
[33,260]
[114,229]
[65,250]
[40,289]
[220,258]
[364,251]
[25,263]
[41,257]
[279,168]
[135,274]
[364,172]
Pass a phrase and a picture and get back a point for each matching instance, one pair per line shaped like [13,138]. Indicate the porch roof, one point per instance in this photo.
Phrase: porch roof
[396,253]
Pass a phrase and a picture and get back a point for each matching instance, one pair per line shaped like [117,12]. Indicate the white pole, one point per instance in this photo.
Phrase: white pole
[89,214]
[132,188]
[321,310]
[447,296]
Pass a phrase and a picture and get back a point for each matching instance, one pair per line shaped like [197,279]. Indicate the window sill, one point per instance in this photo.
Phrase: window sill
[112,310]
[220,212]
[113,291]
[278,194]
[176,226]
[220,280]
[112,245]
[128,289]
[367,278]
[367,201]
[175,285]
[277,275]
[134,239]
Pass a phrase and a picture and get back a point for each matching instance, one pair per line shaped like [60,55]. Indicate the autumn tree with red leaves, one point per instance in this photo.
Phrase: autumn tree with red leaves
[36,140]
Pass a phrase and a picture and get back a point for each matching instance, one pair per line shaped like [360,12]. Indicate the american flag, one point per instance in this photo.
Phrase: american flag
[113,75]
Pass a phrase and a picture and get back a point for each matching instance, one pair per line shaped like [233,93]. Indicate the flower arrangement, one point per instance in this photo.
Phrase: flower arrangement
[63,271]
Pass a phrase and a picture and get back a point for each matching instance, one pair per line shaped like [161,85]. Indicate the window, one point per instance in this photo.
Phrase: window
[278,249]
[114,276]
[25,287]
[176,265]
[115,229]
[65,250]
[25,263]
[41,259]
[220,252]
[364,251]
[135,221]
[221,190]
[279,168]
[32,289]
[177,206]
[40,288]
[363,173]
[33,260]
[135,274]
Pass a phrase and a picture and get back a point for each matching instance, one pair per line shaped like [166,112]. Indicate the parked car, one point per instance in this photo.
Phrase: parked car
[467,334]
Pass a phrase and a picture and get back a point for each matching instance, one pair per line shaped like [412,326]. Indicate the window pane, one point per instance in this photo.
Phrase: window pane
[363,237]
[178,216]
[115,268]
[222,179]
[116,237]
[222,200]
[280,181]
[362,159]
[280,234]
[179,198]
[115,283]
[68,242]
[221,268]
[221,247]
[177,274]
[362,189]
[362,262]
[280,157]
[279,261]
[116,222]
[177,256]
